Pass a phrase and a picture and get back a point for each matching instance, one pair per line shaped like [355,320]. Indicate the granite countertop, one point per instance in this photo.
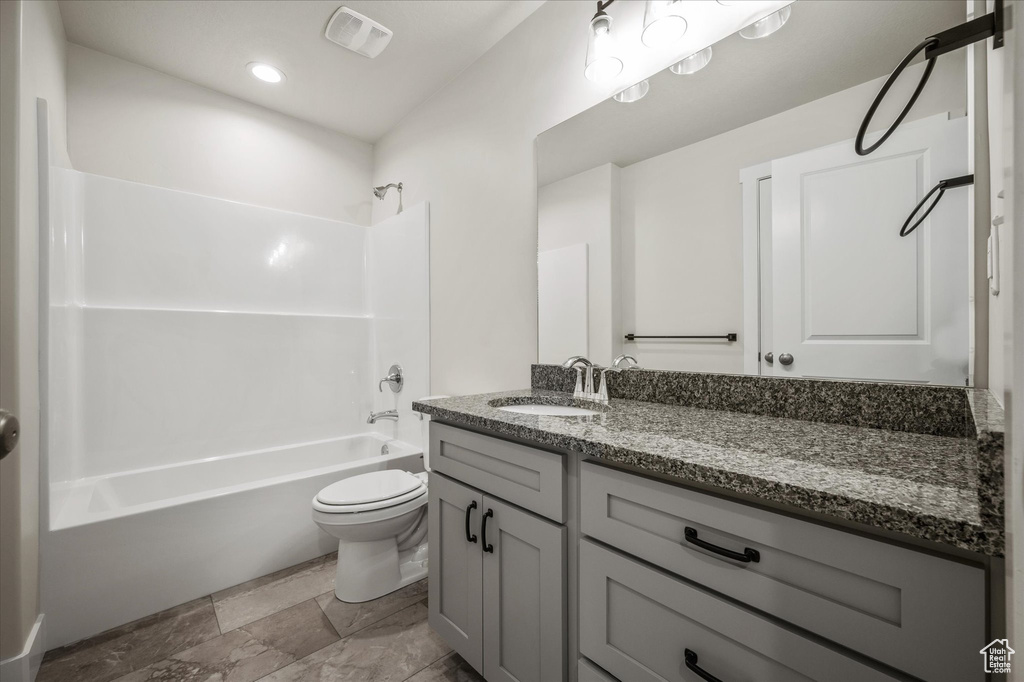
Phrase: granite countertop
[926,486]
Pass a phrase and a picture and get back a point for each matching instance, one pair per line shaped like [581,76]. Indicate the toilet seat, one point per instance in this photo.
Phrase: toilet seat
[374,491]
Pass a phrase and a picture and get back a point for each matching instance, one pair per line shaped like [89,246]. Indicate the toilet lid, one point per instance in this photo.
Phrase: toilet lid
[376,486]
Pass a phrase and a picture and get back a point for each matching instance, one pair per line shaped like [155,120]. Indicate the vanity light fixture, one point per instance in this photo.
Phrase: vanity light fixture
[768,25]
[265,72]
[663,23]
[633,92]
[602,64]
[692,64]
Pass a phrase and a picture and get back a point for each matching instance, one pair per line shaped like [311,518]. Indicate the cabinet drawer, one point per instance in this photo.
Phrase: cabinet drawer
[533,479]
[640,624]
[916,612]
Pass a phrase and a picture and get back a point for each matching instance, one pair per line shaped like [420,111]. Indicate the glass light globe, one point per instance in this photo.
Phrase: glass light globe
[633,92]
[692,64]
[602,64]
[663,24]
[767,26]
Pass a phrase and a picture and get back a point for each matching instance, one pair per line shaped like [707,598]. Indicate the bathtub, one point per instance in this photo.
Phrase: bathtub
[168,534]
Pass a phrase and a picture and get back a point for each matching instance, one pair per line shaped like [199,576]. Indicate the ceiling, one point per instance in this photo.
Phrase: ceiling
[825,47]
[210,43]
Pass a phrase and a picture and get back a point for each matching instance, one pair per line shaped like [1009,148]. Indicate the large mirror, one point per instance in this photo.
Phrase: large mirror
[724,222]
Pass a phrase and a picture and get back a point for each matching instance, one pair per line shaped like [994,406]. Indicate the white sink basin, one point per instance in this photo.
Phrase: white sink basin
[550,410]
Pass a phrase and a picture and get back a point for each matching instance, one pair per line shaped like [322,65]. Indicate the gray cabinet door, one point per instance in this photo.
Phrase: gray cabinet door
[455,585]
[642,625]
[524,596]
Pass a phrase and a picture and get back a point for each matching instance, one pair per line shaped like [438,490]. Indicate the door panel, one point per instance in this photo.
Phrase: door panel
[853,299]
[455,589]
[524,596]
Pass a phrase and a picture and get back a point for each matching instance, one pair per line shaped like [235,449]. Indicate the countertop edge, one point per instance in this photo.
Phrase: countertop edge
[983,538]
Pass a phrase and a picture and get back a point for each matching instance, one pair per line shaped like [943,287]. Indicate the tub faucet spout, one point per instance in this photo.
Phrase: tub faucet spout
[386,414]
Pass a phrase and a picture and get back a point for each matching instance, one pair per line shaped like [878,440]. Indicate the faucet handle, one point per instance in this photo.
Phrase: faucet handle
[602,393]
[395,379]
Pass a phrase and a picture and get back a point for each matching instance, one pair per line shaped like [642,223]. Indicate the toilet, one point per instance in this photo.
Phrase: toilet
[380,521]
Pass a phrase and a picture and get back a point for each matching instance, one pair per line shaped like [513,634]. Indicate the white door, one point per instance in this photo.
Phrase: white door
[850,297]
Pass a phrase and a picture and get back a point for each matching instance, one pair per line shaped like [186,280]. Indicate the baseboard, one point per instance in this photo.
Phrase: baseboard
[25,666]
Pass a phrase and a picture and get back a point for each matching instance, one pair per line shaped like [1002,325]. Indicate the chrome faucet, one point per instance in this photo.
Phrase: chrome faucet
[386,414]
[582,391]
[626,358]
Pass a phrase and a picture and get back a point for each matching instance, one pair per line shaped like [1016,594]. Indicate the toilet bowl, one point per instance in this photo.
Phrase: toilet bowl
[380,521]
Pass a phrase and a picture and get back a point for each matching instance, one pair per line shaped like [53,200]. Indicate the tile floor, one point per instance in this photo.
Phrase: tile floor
[286,626]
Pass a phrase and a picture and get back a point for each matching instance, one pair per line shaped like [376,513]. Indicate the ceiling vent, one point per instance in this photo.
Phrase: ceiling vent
[360,34]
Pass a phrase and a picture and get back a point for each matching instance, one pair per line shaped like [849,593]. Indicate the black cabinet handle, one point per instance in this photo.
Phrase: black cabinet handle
[469,509]
[691,663]
[746,557]
[483,531]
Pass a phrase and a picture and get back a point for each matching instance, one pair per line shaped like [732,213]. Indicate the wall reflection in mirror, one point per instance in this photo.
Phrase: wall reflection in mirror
[730,200]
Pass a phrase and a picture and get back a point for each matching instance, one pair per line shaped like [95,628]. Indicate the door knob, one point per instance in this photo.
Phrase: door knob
[786,359]
[9,433]
[769,358]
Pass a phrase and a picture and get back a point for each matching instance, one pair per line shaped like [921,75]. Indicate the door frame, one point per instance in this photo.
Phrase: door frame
[750,183]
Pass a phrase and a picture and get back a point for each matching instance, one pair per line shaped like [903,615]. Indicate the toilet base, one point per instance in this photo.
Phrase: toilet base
[370,570]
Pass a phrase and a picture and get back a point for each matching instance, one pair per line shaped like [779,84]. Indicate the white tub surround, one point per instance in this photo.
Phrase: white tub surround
[210,368]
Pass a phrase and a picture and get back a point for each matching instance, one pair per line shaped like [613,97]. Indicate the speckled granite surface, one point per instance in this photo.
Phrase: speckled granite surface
[936,410]
[988,420]
[923,485]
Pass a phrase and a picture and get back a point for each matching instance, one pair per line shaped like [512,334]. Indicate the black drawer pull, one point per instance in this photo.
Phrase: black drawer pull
[483,531]
[746,557]
[691,663]
[469,509]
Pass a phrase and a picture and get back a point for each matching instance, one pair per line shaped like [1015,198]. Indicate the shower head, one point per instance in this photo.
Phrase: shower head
[381,191]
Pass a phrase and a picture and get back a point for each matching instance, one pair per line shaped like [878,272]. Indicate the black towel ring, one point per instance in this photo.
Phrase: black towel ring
[941,189]
[859,144]
[986,26]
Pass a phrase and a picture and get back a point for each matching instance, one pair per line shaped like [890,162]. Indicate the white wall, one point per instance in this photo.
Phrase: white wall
[1000,319]
[126,121]
[1008,97]
[34,38]
[584,209]
[187,327]
[469,150]
[398,286]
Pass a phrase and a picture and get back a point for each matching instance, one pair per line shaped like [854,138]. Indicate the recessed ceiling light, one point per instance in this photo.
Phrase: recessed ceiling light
[266,72]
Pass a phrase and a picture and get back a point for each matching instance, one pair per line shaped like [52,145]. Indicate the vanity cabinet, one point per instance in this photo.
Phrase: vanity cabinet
[546,567]
[497,590]
[914,611]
